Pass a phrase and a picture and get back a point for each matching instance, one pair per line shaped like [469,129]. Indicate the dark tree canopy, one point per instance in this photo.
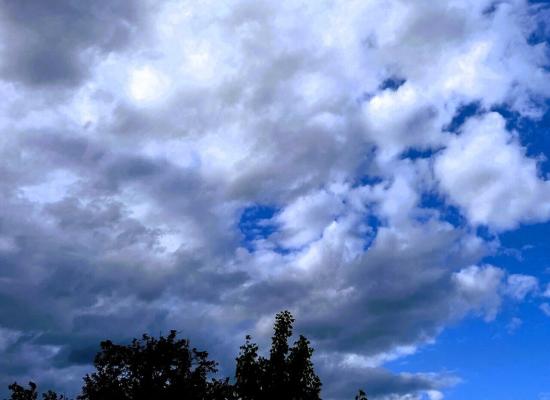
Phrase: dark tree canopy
[18,392]
[164,368]
[288,372]
[167,368]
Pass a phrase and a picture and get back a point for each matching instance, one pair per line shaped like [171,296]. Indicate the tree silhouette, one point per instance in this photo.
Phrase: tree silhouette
[288,372]
[18,392]
[167,368]
[51,395]
[250,372]
[164,368]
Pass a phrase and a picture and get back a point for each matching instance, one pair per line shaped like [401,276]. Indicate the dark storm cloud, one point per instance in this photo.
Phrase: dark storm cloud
[86,250]
[56,42]
[88,273]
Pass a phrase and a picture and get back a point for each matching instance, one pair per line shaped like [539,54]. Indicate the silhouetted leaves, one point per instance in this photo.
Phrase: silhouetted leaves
[50,395]
[287,374]
[18,392]
[250,371]
[167,368]
[164,368]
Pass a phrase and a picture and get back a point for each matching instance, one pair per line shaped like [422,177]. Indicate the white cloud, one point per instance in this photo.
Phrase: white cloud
[519,286]
[486,172]
[514,324]
[545,308]
[147,84]
[397,120]
[435,395]
[480,288]
[58,185]
[217,107]
[306,218]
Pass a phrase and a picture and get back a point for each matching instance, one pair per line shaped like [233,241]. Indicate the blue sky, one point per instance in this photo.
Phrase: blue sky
[502,359]
[486,356]
[379,168]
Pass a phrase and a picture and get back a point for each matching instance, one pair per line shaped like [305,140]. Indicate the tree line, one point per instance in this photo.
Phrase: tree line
[168,368]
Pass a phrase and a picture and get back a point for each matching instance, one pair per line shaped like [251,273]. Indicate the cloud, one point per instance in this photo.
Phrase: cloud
[545,308]
[480,285]
[514,324]
[126,202]
[485,171]
[519,286]
[383,385]
[56,44]
[306,218]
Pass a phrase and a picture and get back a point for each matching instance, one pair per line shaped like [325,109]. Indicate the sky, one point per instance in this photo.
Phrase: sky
[380,168]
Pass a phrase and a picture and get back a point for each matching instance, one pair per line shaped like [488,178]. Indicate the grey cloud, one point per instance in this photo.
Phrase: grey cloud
[380,383]
[75,293]
[402,297]
[179,193]
[138,241]
[54,43]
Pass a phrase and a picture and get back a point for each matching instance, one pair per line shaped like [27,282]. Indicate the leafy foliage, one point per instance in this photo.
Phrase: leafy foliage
[18,392]
[288,373]
[167,368]
[164,368]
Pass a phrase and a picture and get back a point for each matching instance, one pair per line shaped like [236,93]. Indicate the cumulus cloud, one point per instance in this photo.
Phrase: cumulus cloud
[200,166]
[480,285]
[485,171]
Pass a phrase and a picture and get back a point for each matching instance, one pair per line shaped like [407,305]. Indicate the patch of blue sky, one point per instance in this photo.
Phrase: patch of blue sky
[485,233]
[367,180]
[534,133]
[525,250]
[464,112]
[539,34]
[256,223]
[484,354]
[414,153]
[542,2]
[392,83]
[372,223]
[445,211]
